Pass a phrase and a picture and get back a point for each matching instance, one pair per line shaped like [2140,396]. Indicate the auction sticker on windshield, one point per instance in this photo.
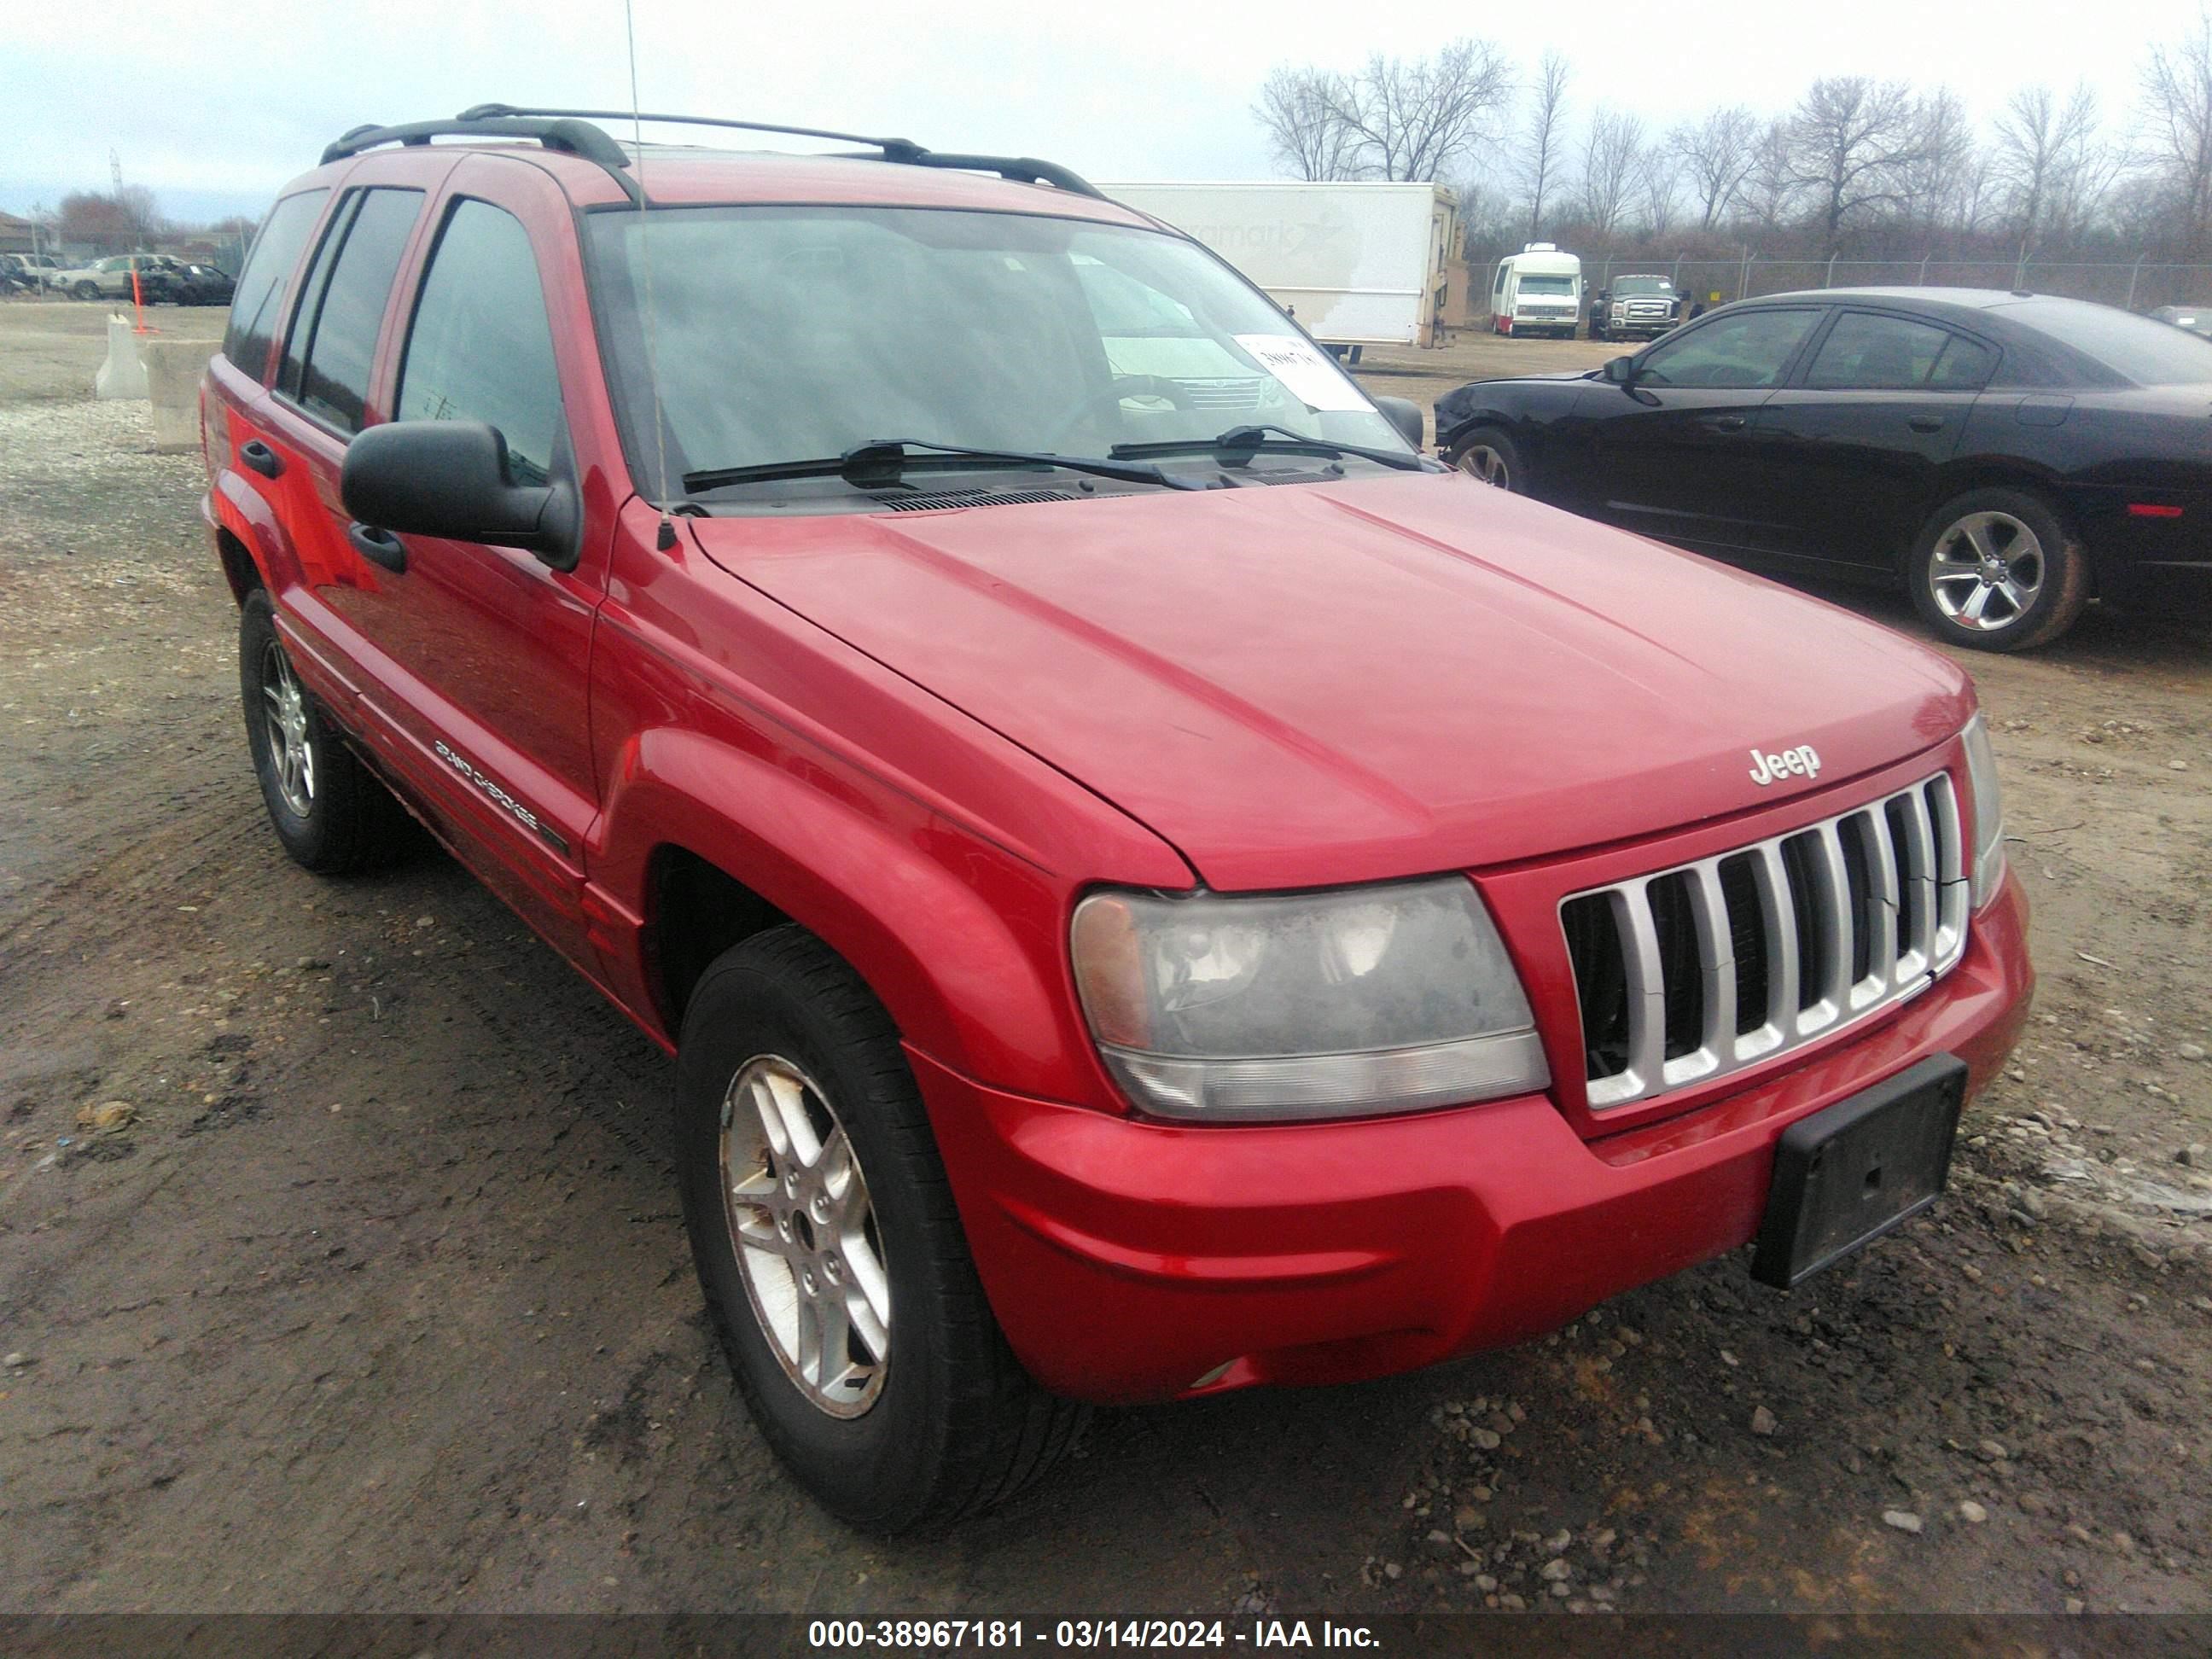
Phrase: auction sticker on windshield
[1309,376]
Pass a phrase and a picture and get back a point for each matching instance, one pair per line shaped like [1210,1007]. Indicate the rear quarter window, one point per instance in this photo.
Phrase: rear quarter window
[259,300]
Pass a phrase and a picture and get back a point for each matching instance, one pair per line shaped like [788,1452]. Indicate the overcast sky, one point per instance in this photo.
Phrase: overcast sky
[215,105]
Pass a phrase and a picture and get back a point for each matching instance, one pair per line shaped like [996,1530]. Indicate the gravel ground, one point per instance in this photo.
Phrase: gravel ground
[340,1267]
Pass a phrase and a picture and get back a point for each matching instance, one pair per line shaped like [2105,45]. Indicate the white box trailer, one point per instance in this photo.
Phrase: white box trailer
[1358,264]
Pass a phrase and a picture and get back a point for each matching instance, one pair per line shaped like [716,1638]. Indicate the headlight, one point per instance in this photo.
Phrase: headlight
[1314,1004]
[1989,812]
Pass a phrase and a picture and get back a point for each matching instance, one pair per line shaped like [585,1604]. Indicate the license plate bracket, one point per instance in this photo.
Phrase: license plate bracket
[1859,1169]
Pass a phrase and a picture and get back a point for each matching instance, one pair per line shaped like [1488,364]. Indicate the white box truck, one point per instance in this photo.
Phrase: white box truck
[1358,264]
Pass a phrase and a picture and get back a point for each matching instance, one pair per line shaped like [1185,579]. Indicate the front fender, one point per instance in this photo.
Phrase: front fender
[962,940]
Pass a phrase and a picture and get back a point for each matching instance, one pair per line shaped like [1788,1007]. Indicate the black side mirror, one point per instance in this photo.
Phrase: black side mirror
[1405,415]
[1619,371]
[451,478]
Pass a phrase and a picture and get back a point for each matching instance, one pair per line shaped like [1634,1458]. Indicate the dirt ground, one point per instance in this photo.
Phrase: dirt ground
[340,1266]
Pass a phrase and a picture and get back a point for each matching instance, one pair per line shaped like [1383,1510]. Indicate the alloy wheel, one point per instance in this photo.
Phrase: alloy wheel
[285,714]
[1986,570]
[805,1235]
[1481,461]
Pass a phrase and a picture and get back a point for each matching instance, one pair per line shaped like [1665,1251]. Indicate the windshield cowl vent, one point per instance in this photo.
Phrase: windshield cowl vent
[947,499]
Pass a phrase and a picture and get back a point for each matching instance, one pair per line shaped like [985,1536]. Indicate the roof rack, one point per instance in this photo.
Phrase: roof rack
[572,137]
[572,131]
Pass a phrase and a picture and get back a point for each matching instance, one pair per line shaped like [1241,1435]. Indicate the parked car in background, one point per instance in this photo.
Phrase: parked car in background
[110,278]
[2007,457]
[29,272]
[2197,320]
[1144,900]
[1636,307]
[1538,290]
[203,285]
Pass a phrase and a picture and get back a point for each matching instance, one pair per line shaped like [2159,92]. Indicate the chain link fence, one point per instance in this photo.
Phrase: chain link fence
[2139,286]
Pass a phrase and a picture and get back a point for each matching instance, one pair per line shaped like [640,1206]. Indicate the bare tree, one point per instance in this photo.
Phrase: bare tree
[1852,141]
[1544,138]
[1415,120]
[1717,155]
[1297,107]
[1612,160]
[1659,188]
[1936,176]
[2177,90]
[1396,118]
[2039,141]
[1770,190]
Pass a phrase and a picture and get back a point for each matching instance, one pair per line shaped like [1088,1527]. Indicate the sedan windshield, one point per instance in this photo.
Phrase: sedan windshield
[783,334]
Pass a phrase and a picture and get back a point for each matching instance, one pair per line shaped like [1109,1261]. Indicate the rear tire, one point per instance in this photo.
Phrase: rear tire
[330,811]
[1487,454]
[841,1281]
[1998,570]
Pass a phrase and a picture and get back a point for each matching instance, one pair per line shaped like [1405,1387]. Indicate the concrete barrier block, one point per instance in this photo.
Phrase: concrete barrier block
[123,374]
[174,368]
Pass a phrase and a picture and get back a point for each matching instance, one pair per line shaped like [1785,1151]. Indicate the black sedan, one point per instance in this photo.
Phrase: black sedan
[2007,457]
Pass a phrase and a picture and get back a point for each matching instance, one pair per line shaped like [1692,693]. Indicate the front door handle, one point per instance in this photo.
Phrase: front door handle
[262,458]
[1926,423]
[1728,423]
[378,546]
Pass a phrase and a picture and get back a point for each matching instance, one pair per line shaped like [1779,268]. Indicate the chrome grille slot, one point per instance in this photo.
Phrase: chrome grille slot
[1696,971]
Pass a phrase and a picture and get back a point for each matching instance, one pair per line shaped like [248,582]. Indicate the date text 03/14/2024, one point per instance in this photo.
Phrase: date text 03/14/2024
[824,1635]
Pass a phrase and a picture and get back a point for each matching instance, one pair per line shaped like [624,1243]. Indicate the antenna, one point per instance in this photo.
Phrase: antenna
[665,539]
[115,169]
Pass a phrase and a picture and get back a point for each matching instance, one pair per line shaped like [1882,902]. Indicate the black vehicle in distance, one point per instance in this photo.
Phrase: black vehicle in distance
[2007,457]
[1636,307]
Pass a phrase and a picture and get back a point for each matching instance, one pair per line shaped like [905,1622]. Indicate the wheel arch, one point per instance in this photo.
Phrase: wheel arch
[1964,475]
[703,843]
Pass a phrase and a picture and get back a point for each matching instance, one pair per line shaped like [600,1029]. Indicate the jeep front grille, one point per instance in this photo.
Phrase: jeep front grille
[1697,971]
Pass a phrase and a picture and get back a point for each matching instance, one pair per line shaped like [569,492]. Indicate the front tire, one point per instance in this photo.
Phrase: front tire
[1489,455]
[1998,570]
[86,291]
[331,814]
[830,1253]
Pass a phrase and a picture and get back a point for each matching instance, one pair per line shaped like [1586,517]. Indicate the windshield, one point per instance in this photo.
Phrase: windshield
[792,333]
[1659,285]
[1547,285]
[2148,353]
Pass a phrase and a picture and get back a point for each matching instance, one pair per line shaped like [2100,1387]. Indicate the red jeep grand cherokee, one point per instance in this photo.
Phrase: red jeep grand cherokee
[1115,945]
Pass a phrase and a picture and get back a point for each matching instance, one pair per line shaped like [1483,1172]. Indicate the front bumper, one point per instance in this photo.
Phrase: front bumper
[1132,1261]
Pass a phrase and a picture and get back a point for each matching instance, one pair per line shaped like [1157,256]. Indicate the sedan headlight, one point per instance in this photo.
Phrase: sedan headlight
[1989,812]
[1344,1004]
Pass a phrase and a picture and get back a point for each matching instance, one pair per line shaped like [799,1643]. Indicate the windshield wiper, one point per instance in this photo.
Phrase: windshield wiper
[883,461]
[1248,441]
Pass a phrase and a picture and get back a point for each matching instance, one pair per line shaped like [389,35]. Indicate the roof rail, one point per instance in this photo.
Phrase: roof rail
[570,137]
[1023,169]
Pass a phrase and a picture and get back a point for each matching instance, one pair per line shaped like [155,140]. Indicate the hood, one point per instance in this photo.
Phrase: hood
[1320,684]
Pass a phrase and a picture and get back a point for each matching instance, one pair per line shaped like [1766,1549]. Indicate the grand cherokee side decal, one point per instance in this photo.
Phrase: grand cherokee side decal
[500,797]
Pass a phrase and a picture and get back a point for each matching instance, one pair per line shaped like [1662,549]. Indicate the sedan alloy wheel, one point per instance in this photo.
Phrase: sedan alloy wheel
[1987,571]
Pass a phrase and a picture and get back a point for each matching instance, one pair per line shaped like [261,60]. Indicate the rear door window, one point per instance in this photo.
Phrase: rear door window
[333,340]
[480,346]
[259,299]
[1867,352]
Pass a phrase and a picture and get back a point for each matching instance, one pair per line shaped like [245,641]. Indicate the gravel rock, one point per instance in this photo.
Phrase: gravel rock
[16,1361]
[1972,1513]
[1762,1421]
[1903,1520]
[1991,1451]
[1555,1571]
[2190,1051]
